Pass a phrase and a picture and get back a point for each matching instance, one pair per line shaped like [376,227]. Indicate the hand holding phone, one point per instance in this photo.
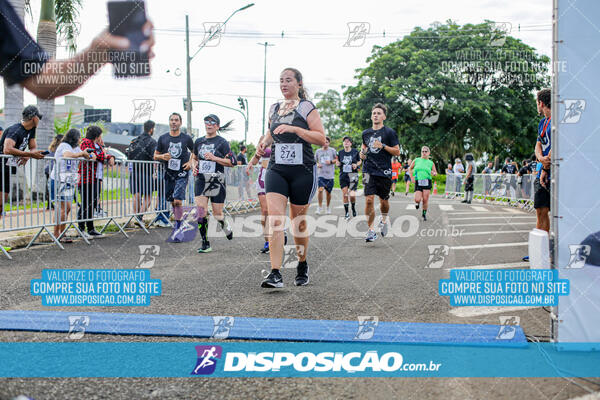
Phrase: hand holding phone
[127,18]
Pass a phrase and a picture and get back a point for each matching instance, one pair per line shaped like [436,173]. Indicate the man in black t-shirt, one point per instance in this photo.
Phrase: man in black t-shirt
[174,149]
[15,139]
[141,179]
[380,144]
[349,162]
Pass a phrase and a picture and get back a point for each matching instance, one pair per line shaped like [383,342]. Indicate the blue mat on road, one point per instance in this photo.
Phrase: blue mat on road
[261,328]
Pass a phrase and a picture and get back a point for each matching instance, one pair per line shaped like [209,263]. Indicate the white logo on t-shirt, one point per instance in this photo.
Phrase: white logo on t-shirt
[175,149]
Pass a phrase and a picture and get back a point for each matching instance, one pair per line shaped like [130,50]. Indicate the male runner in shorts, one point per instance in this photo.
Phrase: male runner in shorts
[380,144]
[326,158]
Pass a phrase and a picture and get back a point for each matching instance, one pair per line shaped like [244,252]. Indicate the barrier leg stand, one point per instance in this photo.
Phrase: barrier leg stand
[79,232]
[141,224]
[118,226]
[56,242]
[5,253]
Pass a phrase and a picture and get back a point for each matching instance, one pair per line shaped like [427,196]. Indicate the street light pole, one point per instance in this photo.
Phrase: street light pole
[189,80]
[188,59]
[264,86]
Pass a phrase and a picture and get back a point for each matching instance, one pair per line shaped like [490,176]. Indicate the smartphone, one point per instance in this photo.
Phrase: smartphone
[90,151]
[127,18]
[45,153]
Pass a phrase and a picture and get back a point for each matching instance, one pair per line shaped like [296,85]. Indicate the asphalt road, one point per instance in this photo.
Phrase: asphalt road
[349,278]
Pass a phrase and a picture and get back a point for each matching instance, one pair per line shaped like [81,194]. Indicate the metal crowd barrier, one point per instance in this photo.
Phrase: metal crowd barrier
[113,195]
[495,188]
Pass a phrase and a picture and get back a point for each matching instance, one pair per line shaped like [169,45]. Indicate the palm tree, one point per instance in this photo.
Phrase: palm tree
[13,95]
[54,15]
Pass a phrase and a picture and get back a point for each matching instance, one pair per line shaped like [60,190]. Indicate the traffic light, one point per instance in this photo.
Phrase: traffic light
[241,101]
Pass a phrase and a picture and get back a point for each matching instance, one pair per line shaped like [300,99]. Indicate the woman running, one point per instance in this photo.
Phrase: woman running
[469,178]
[422,170]
[294,125]
[260,189]
[211,155]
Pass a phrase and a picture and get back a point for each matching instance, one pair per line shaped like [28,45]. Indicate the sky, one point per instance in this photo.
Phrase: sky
[314,34]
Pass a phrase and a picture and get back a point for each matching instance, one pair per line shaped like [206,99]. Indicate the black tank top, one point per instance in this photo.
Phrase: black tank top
[297,117]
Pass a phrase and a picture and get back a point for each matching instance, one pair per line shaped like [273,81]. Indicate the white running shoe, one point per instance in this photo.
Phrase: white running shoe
[318,212]
[328,210]
[383,228]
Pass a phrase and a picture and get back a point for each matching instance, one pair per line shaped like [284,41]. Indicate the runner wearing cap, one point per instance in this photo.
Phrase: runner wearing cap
[211,155]
[380,144]
[422,171]
[349,163]
[15,139]
[294,126]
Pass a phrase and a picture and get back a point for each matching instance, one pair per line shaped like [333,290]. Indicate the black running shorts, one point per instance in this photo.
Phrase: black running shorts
[541,198]
[377,185]
[298,183]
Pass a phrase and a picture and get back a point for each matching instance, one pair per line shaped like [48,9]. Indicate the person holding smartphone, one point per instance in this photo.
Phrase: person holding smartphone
[23,61]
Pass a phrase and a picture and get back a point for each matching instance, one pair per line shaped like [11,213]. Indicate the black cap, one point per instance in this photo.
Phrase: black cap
[593,241]
[347,137]
[214,118]
[30,112]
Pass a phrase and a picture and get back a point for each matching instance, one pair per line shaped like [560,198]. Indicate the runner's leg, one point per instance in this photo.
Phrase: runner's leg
[276,204]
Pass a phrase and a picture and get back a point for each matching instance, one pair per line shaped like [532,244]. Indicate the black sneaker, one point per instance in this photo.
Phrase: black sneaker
[354,213]
[464,201]
[95,233]
[302,274]
[417,205]
[424,217]
[273,280]
[347,216]
[205,248]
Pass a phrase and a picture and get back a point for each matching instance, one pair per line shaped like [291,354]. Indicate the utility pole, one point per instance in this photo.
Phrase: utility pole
[266,44]
[188,100]
[187,104]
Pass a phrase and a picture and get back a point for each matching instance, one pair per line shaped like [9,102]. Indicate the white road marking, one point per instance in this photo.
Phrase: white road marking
[490,232]
[446,207]
[479,208]
[513,210]
[488,246]
[494,266]
[411,206]
[496,224]
[478,213]
[506,218]
[466,312]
